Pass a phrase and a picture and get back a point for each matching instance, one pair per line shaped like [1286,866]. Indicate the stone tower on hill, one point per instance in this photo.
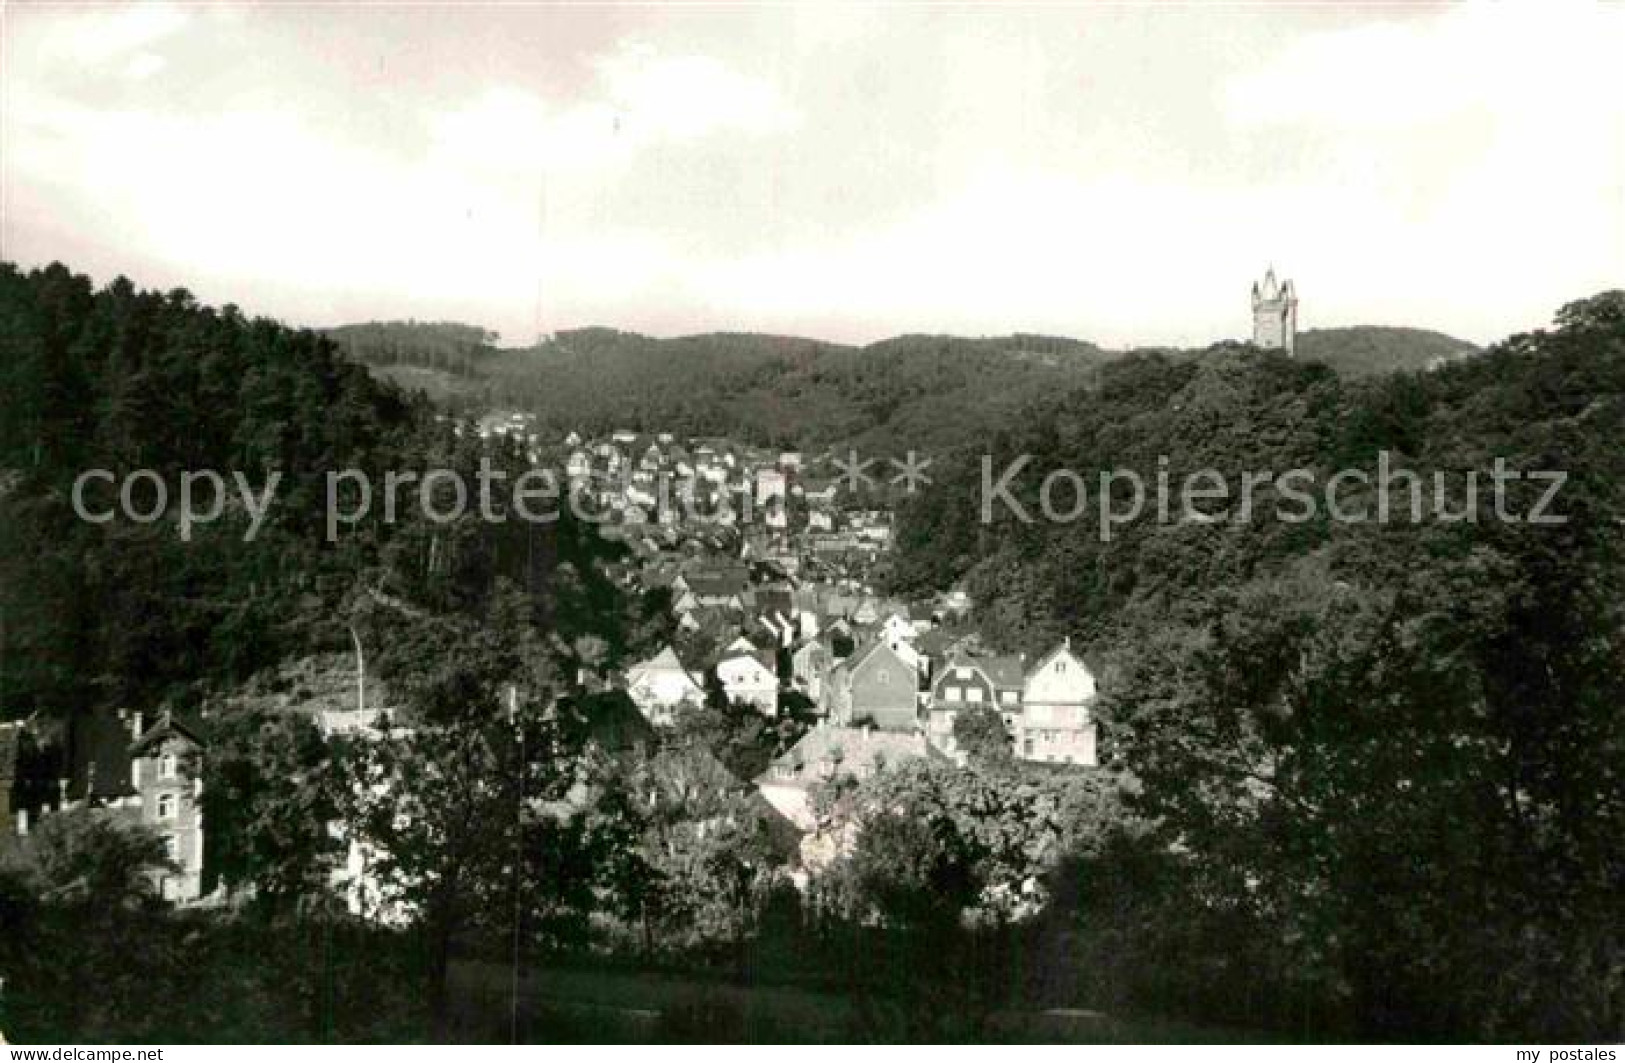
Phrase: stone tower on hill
[1275,314]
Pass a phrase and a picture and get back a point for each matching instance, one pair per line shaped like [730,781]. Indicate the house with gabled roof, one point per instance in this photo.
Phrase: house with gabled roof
[660,684]
[1008,675]
[117,762]
[873,685]
[724,589]
[966,680]
[750,677]
[896,626]
[1057,719]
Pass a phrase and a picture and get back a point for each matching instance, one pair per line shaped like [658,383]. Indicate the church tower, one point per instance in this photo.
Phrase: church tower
[1275,314]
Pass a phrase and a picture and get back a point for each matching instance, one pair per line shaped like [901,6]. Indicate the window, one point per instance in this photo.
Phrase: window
[1027,747]
[962,672]
[166,766]
[1008,697]
[172,847]
[974,694]
[166,806]
[954,693]
[1060,666]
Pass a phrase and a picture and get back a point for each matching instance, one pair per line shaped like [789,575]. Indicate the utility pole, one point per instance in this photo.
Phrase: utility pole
[360,671]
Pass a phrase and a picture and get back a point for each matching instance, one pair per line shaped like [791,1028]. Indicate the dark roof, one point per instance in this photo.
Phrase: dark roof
[169,725]
[864,653]
[99,758]
[717,586]
[936,642]
[102,744]
[1005,671]
[775,599]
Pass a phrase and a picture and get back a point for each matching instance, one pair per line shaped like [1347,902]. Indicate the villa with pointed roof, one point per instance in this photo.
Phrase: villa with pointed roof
[750,676]
[116,762]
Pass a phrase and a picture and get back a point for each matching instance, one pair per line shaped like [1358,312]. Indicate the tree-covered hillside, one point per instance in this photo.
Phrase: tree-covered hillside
[926,393]
[912,391]
[1392,748]
[1372,351]
[131,612]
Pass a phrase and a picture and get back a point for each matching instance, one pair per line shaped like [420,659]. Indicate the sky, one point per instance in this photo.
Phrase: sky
[1120,173]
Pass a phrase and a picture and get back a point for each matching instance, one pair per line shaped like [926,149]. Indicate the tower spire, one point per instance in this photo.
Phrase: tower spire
[1275,313]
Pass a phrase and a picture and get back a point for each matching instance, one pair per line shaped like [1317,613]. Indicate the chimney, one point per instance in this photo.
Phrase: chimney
[135,724]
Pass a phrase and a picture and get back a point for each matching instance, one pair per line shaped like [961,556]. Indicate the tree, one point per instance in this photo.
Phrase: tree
[487,810]
[911,871]
[270,792]
[992,837]
[95,858]
[744,740]
[709,847]
[979,732]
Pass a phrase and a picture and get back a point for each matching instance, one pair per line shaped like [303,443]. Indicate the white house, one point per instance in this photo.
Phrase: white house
[1057,720]
[770,483]
[745,677]
[660,684]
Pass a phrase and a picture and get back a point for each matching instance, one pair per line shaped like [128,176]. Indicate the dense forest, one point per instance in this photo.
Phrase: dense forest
[127,612]
[1393,750]
[925,393]
[1372,351]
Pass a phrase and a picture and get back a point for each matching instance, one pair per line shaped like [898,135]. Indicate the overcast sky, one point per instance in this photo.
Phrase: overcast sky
[1115,173]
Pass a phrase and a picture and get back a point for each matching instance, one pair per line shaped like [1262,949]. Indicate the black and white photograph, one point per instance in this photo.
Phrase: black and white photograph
[531,523]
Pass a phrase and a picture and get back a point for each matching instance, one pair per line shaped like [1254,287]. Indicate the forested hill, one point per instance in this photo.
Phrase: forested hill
[1369,350]
[922,392]
[1401,740]
[128,612]
[911,391]
[446,346]
[1239,409]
